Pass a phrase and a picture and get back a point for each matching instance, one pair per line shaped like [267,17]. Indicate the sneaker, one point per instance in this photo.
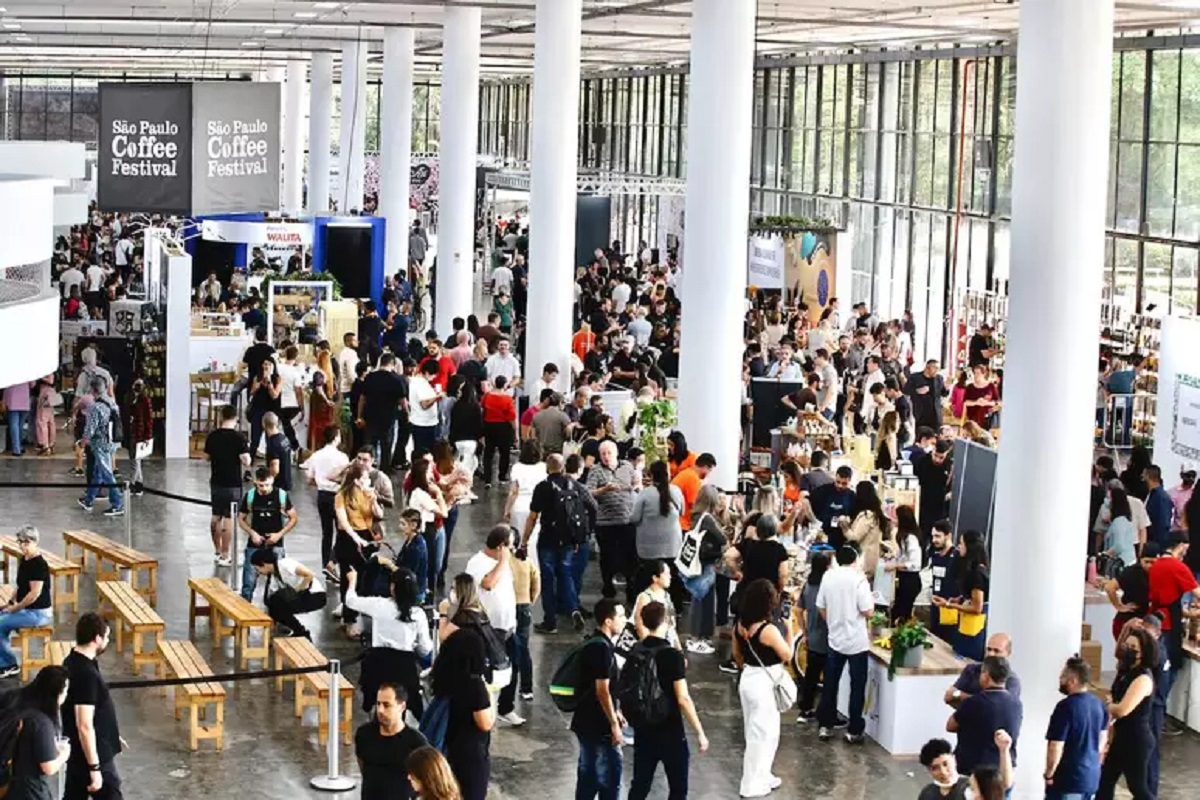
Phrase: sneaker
[527,696]
[333,577]
[487,485]
[138,490]
[842,721]
[577,619]
[806,716]
[216,558]
[86,506]
[337,612]
[776,782]
[854,738]
[627,736]
[115,512]
[9,672]
[76,471]
[224,561]
[284,630]
[542,627]
[512,718]
[729,667]
[824,734]
[700,647]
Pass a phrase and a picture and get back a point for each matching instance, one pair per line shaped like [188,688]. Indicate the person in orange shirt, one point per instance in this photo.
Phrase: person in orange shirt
[689,482]
[679,457]
[583,341]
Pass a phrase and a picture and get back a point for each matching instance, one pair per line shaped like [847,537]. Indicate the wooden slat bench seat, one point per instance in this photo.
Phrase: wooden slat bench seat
[57,651]
[312,688]
[25,637]
[117,554]
[224,603]
[131,613]
[63,573]
[180,659]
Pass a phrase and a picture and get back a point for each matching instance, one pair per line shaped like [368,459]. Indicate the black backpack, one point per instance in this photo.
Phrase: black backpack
[572,515]
[565,688]
[640,694]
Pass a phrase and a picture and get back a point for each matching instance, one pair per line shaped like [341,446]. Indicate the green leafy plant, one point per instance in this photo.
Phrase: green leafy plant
[909,635]
[878,620]
[656,419]
[783,223]
[327,277]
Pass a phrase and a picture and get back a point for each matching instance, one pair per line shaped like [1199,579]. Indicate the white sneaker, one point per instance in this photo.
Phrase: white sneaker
[216,558]
[512,718]
[337,612]
[224,561]
[700,647]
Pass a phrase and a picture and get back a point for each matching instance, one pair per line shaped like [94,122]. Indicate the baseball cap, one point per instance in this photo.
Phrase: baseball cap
[1187,468]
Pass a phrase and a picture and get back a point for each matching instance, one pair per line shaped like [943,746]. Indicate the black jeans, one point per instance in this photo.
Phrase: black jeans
[834,664]
[76,781]
[813,672]
[617,546]
[285,613]
[721,590]
[523,666]
[908,586]
[379,439]
[497,436]
[508,695]
[403,430]
[325,510]
[1128,756]
[349,557]
[286,415]
[650,748]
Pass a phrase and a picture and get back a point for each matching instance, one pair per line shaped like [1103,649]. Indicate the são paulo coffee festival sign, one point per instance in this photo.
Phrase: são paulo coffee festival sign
[182,148]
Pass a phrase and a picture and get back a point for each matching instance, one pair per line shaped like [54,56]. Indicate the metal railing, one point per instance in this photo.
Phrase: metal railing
[24,283]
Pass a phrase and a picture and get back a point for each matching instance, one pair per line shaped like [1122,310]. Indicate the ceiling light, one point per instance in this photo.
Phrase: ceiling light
[273,32]
[305,15]
[12,26]
[326,5]
[20,37]
[251,44]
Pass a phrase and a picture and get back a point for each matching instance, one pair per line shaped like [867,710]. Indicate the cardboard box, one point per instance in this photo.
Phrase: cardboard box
[1087,632]
[1090,651]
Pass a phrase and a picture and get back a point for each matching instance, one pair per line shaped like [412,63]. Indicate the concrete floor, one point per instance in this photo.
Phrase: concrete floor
[269,755]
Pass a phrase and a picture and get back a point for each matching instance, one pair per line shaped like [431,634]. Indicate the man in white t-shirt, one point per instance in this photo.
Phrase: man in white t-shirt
[94,285]
[620,296]
[423,399]
[324,468]
[493,575]
[846,603]
[291,395]
[347,361]
[502,278]
[503,362]
[70,277]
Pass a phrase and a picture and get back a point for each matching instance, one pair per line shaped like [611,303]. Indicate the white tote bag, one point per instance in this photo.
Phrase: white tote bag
[688,562]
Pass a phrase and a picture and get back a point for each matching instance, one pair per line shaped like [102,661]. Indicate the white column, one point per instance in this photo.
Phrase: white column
[720,97]
[293,135]
[320,132]
[456,159]
[395,143]
[353,141]
[555,151]
[1064,58]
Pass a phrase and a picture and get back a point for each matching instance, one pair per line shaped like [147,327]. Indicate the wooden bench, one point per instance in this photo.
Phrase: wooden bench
[182,660]
[57,651]
[130,612]
[223,603]
[120,556]
[63,573]
[26,637]
[312,688]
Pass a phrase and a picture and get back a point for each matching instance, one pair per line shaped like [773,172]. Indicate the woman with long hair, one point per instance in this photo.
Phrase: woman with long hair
[1120,541]
[399,625]
[974,579]
[39,751]
[322,401]
[655,515]
[430,775]
[958,394]
[679,457]
[981,397]
[816,634]
[1131,743]
[908,566]
[466,428]
[1132,476]
[887,449]
[655,576]
[265,390]
[425,496]
[356,509]
[462,609]
[459,678]
[871,530]
[761,649]
[527,473]
[706,516]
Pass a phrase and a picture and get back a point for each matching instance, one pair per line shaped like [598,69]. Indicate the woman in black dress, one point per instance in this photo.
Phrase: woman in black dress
[1131,739]
[458,674]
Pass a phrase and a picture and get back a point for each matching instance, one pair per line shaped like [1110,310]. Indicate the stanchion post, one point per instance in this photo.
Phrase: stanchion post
[233,546]
[333,781]
[128,515]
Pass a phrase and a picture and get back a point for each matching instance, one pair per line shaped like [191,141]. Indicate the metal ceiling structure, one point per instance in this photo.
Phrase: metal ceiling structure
[222,36]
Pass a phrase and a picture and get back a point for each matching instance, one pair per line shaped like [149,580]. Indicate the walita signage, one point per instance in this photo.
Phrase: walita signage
[145,147]
[235,148]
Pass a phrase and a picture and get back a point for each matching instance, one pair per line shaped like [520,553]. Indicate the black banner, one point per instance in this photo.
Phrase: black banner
[145,148]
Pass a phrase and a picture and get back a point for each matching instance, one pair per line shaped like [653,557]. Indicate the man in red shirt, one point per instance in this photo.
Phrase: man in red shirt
[1170,580]
[446,368]
[499,429]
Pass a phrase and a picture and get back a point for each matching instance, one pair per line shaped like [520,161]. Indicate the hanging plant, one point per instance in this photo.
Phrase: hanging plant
[788,224]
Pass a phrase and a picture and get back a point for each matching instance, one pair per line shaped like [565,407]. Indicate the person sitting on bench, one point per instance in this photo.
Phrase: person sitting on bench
[30,606]
[292,589]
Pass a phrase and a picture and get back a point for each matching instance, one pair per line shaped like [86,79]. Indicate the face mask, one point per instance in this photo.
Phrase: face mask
[1063,688]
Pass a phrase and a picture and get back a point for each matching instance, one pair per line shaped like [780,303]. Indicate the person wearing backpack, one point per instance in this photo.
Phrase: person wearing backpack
[597,723]
[102,429]
[31,749]
[652,693]
[567,512]
[266,515]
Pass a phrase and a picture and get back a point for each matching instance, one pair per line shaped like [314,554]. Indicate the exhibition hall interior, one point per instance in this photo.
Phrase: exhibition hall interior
[493,399]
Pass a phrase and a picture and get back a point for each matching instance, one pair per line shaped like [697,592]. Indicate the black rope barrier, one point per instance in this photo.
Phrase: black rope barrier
[229,676]
[181,498]
[148,490]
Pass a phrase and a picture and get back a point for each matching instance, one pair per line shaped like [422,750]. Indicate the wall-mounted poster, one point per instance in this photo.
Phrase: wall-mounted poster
[811,271]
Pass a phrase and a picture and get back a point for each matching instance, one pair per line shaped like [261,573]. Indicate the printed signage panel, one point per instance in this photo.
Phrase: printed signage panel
[236,148]
[765,263]
[145,148]
[288,235]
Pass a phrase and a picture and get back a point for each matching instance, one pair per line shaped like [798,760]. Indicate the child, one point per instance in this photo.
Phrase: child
[43,421]
[414,554]
[527,584]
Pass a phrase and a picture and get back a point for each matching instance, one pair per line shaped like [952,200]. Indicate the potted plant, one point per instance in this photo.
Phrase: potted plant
[878,624]
[655,421]
[909,641]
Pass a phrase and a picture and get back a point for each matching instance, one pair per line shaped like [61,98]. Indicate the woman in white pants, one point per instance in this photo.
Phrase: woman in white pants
[761,649]
[466,428]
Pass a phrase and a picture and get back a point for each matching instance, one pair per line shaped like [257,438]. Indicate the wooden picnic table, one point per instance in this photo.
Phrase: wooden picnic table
[120,556]
[223,603]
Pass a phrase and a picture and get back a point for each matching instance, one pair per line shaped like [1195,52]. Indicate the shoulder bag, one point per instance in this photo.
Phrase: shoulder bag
[784,687]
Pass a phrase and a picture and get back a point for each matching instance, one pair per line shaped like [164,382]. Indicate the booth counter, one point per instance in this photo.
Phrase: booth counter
[1099,613]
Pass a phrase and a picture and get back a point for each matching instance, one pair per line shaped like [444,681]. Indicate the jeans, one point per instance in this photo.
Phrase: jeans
[651,747]
[16,430]
[256,431]
[1053,795]
[497,438]
[444,559]
[249,576]
[286,415]
[435,550]
[508,695]
[599,770]
[722,593]
[813,672]
[424,437]
[523,664]
[102,474]
[617,555]
[23,618]
[379,439]
[328,516]
[578,567]
[558,582]
[827,713]
[703,608]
